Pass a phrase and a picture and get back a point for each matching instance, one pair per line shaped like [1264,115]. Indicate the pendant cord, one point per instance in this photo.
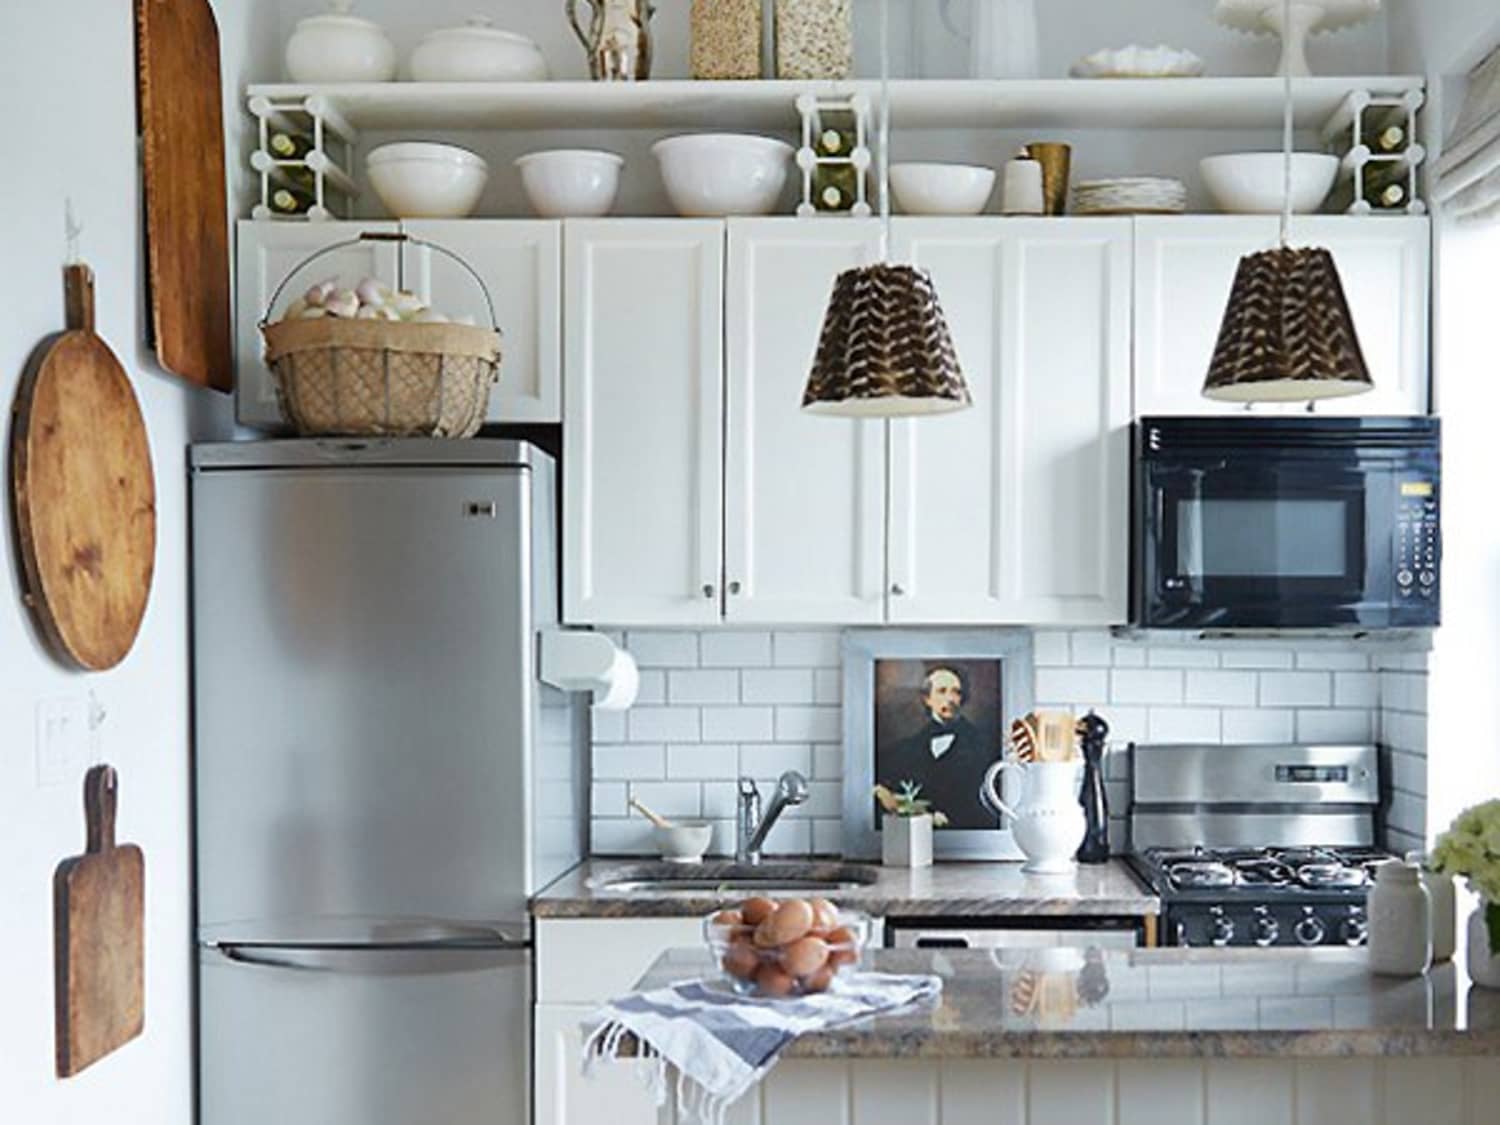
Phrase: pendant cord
[885,130]
[1286,134]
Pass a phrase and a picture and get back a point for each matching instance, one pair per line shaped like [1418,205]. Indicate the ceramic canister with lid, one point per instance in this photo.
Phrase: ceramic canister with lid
[339,47]
[1400,921]
[1444,902]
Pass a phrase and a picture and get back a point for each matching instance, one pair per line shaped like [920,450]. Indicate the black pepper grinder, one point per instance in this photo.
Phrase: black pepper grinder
[1092,732]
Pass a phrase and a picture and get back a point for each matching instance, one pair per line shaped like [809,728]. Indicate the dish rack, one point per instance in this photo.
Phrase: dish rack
[320,174]
[1350,134]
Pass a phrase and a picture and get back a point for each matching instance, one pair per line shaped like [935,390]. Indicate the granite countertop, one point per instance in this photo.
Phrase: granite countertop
[949,890]
[1154,1003]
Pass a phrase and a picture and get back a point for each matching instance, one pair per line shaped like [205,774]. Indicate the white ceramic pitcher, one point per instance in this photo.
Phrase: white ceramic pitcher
[1048,820]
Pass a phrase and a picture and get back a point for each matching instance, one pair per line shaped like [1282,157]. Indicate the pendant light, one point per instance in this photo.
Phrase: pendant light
[885,350]
[1287,334]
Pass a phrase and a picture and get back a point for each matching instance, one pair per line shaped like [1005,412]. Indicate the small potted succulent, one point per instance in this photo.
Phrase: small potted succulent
[1471,848]
[906,828]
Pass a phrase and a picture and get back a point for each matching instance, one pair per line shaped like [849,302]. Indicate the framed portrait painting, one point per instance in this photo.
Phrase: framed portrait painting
[931,708]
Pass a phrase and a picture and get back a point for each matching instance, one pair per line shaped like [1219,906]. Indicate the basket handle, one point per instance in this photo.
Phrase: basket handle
[381,236]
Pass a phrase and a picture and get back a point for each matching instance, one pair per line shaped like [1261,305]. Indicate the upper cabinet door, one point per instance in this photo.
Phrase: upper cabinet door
[519,263]
[265,254]
[643,388]
[1184,266]
[804,504]
[1015,511]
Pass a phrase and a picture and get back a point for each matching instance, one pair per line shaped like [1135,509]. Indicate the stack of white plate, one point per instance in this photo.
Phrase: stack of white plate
[1130,195]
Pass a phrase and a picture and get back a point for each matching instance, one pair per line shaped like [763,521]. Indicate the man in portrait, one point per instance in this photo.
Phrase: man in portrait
[947,756]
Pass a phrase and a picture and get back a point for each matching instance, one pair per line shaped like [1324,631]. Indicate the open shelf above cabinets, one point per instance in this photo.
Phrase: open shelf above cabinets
[1127,103]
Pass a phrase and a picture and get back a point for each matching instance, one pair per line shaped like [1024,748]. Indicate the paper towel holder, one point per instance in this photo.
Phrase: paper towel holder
[578,660]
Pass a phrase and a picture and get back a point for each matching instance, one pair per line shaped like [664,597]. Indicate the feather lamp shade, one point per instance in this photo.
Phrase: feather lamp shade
[885,350]
[1287,334]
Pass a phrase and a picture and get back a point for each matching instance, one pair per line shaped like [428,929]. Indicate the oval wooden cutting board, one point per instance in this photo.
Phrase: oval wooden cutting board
[85,495]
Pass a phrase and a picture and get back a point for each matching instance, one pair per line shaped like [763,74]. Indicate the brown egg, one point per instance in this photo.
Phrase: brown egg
[820,980]
[773,981]
[757,910]
[728,918]
[792,920]
[805,956]
[741,960]
[825,914]
[845,951]
[764,936]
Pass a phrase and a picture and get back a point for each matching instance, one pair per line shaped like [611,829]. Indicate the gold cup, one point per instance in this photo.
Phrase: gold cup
[1055,160]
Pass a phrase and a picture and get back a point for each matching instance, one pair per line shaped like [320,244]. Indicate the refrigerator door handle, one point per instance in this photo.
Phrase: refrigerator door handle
[408,958]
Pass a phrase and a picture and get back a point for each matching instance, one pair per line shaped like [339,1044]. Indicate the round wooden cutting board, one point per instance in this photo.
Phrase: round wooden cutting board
[85,495]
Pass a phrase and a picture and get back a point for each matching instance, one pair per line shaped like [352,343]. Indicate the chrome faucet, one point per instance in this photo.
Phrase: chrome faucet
[750,829]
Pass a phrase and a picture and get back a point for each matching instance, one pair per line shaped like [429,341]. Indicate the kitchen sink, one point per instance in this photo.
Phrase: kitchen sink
[731,878]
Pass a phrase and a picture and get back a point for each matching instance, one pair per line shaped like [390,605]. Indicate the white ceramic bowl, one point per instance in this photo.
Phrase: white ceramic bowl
[1250,183]
[684,842]
[339,47]
[717,174]
[942,189]
[570,182]
[477,52]
[416,180]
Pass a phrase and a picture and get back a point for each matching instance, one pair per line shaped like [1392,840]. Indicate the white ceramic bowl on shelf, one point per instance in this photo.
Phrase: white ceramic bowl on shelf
[570,182]
[1251,183]
[941,189]
[418,180]
[339,47]
[711,175]
[477,52]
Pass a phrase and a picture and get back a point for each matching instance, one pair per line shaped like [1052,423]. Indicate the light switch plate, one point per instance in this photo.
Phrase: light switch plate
[62,739]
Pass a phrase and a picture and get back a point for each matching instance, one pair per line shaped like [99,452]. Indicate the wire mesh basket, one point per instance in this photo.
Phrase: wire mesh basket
[379,378]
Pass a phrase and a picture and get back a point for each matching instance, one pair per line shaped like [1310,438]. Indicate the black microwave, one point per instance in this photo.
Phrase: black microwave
[1286,522]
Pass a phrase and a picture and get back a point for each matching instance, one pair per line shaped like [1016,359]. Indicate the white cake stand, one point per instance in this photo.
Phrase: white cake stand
[1307,16]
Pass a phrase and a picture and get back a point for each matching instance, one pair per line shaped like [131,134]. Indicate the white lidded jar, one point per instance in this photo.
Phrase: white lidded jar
[1400,921]
[339,47]
[1444,903]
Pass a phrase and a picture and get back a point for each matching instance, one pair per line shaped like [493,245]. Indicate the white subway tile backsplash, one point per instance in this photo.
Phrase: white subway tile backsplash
[1356,689]
[1183,724]
[1404,731]
[828,837]
[608,798]
[1126,723]
[1220,688]
[621,837]
[1159,685]
[702,761]
[1403,691]
[663,650]
[1092,649]
[1255,658]
[716,685]
[721,798]
[808,724]
[1296,689]
[1407,813]
[669,798]
[828,762]
[828,685]
[653,689]
[662,724]
[1408,772]
[629,763]
[735,650]
[1049,648]
[1259,724]
[1055,686]
[1129,656]
[773,759]
[1332,660]
[1334,726]
[824,799]
[607,726]
[1187,657]
[737,724]
[806,650]
[778,685]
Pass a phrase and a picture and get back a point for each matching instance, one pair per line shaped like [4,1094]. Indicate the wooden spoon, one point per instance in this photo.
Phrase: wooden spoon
[659,821]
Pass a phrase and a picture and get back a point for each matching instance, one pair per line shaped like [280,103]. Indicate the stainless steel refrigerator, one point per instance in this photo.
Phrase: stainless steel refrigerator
[381,781]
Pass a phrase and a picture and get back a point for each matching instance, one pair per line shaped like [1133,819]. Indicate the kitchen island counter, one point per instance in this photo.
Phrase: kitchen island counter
[945,890]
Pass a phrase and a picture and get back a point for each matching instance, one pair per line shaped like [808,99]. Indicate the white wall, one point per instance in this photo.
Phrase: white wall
[67,70]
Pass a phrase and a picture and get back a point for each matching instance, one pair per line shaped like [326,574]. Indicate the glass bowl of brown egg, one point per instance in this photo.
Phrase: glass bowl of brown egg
[790,947]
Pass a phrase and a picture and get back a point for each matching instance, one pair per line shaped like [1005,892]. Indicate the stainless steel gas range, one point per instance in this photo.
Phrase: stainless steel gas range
[1257,845]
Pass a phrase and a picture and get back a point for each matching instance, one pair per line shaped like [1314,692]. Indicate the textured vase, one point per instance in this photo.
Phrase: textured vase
[906,841]
[1484,960]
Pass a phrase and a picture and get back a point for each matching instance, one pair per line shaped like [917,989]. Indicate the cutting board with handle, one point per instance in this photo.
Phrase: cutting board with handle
[187,210]
[98,900]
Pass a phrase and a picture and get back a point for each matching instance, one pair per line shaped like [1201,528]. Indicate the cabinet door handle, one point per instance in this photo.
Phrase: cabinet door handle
[708,590]
[734,587]
[897,590]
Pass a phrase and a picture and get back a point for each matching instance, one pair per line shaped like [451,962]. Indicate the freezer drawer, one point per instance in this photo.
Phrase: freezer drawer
[374,1036]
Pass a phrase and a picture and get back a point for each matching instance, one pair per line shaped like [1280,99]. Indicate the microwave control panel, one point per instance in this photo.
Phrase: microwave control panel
[1417,549]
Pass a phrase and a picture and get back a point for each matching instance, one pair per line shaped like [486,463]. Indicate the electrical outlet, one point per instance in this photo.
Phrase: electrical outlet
[62,739]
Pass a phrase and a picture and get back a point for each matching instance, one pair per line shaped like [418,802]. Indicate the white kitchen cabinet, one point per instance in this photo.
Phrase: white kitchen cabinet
[265,253]
[1015,510]
[643,427]
[580,964]
[1184,266]
[519,262]
[804,496]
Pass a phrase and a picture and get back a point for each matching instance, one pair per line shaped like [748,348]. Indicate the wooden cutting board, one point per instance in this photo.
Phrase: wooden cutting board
[85,496]
[187,214]
[98,900]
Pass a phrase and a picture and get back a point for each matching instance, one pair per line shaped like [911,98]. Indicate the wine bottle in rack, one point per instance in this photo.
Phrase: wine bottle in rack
[289,146]
[835,186]
[290,201]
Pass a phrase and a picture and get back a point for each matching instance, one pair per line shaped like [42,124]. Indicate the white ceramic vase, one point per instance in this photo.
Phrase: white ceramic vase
[1047,821]
[1484,959]
[906,841]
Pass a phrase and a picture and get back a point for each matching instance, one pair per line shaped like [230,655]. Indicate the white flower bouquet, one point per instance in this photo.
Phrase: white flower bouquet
[1471,848]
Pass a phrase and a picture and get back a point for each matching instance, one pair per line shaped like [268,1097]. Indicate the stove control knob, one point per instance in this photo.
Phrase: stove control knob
[1355,929]
[1265,929]
[1220,929]
[1310,929]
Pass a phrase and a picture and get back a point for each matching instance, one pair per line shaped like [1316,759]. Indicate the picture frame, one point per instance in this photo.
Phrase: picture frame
[936,703]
